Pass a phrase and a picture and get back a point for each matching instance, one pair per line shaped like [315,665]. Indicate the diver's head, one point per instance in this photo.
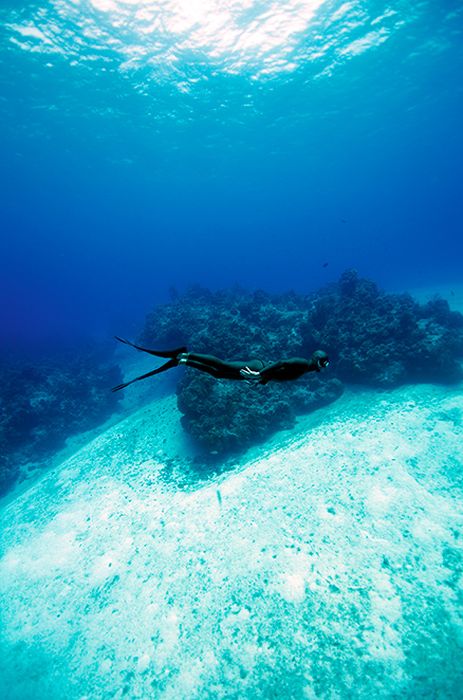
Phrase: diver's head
[320,359]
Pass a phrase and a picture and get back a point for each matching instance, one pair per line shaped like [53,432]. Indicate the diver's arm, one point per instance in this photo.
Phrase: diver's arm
[269,371]
[286,370]
[263,375]
[250,374]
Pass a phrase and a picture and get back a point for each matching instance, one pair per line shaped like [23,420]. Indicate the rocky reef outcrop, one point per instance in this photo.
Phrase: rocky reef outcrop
[386,339]
[373,338]
[45,402]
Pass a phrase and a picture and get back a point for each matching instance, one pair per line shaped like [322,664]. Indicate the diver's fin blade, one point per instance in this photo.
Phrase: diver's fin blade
[126,342]
[156,353]
[137,379]
[166,365]
[119,387]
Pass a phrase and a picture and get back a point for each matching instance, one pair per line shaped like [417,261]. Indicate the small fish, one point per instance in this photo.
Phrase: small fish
[325,264]
[219,497]
[344,221]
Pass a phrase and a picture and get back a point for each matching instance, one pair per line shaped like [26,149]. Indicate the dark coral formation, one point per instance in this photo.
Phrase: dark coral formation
[386,339]
[225,417]
[372,338]
[44,403]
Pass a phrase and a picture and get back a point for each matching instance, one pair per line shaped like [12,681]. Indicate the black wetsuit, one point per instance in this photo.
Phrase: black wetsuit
[221,369]
[281,371]
[286,370]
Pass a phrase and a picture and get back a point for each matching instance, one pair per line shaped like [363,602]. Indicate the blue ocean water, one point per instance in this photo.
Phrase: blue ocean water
[147,146]
[153,144]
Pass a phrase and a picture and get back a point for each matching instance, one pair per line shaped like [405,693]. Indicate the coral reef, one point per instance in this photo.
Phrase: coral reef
[43,404]
[372,338]
[385,339]
[225,417]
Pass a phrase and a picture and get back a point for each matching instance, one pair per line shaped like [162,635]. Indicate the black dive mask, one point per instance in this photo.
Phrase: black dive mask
[324,362]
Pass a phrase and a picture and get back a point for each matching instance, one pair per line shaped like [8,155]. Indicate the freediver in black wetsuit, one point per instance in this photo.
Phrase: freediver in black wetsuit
[250,370]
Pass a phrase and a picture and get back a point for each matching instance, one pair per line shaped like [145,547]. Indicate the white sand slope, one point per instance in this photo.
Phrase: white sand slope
[327,567]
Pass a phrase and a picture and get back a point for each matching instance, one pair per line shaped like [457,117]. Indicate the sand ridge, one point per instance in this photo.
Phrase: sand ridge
[329,552]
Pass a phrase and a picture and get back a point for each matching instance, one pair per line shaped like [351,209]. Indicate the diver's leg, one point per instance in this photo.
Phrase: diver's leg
[156,353]
[209,369]
[209,360]
[163,368]
[220,369]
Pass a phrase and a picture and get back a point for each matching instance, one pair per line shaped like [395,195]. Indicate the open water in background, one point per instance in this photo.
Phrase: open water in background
[153,144]
[149,145]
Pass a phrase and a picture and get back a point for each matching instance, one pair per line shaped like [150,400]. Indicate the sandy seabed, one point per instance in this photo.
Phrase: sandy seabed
[327,564]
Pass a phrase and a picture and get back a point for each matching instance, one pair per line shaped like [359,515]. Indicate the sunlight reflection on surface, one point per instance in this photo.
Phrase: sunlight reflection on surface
[253,37]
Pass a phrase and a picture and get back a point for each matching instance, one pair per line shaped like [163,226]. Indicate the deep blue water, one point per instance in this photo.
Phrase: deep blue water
[270,143]
[146,145]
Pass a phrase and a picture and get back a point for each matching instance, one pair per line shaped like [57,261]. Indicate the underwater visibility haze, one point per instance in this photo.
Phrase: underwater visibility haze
[248,178]
[150,144]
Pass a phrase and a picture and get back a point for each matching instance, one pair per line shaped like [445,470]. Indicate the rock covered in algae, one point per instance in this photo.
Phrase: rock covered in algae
[387,339]
[224,417]
[372,338]
[43,403]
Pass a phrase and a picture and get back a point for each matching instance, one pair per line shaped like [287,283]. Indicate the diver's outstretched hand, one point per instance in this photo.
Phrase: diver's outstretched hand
[249,374]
